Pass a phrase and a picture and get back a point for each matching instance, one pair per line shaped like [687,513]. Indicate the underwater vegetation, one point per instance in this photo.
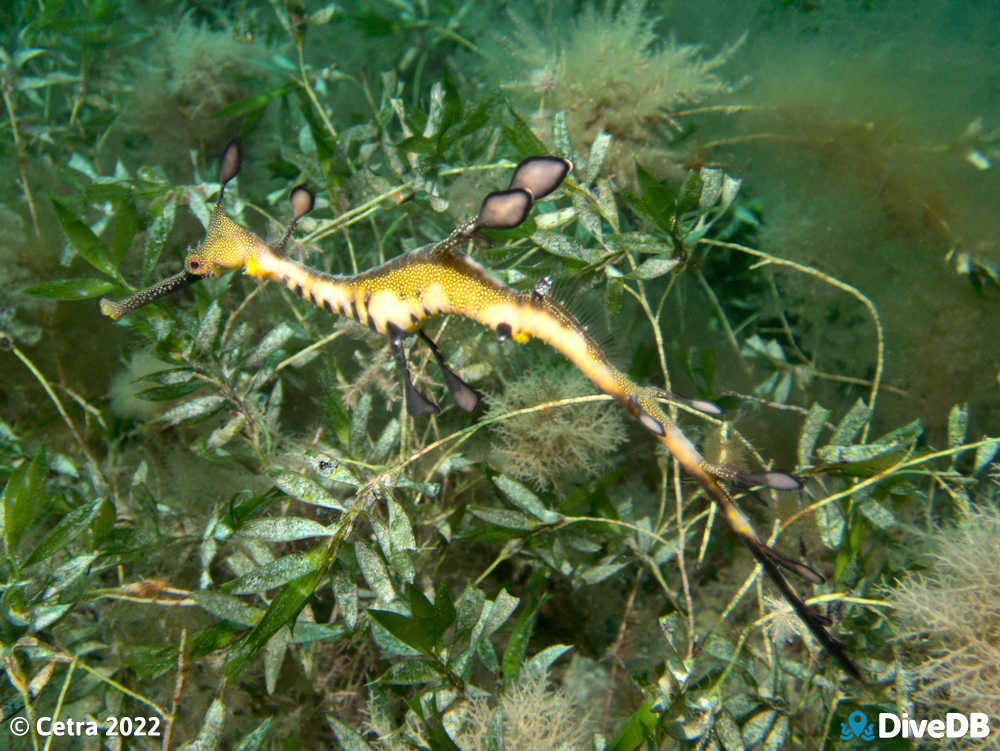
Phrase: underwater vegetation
[549,449]
[535,717]
[187,73]
[278,554]
[611,72]
[949,614]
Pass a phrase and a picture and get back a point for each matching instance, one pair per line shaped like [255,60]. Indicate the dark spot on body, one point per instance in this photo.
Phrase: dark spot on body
[503,331]
[354,311]
[414,319]
[328,305]
[298,290]
[368,310]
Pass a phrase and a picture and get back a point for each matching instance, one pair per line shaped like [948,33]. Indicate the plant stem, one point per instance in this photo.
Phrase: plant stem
[21,155]
[55,400]
[844,287]
[304,83]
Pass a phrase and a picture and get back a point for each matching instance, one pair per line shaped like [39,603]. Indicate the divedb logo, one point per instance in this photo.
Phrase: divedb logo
[889,725]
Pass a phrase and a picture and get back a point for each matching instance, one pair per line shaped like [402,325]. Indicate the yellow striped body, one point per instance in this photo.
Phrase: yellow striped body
[432,281]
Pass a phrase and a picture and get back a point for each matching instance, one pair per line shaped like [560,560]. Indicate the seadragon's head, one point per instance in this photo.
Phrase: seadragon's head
[226,247]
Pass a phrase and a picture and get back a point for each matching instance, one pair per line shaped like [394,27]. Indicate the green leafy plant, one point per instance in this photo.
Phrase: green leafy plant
[277,554]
